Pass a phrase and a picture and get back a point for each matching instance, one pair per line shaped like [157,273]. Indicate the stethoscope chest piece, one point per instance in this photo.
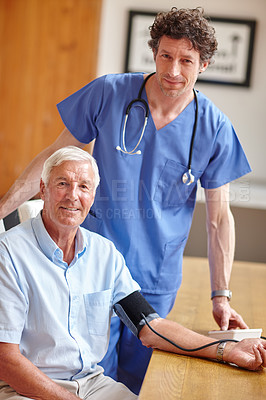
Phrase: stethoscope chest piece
[188,178]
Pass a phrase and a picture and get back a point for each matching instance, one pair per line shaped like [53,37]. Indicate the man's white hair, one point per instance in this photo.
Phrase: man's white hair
[69,153]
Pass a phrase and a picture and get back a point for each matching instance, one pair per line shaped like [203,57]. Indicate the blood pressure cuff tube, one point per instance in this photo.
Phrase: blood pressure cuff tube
[129,310]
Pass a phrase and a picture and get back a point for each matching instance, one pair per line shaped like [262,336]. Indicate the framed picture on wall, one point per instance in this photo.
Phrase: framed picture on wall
[233,60]
[139,57]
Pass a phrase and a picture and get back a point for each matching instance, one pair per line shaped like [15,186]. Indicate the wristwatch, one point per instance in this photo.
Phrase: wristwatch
[226,293]
[220,351]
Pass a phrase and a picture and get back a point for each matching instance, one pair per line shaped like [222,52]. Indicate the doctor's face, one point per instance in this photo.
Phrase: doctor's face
[177,66]
[68,195]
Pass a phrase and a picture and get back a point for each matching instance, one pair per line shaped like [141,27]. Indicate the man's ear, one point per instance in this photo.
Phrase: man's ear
[203,66]
[42,188]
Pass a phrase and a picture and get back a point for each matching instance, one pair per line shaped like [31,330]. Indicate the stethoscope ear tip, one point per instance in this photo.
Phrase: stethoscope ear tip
[118,148]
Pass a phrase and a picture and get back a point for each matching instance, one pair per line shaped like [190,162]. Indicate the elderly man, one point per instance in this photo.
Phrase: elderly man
[59,284]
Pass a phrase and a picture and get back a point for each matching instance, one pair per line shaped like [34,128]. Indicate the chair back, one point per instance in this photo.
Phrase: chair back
[2,226]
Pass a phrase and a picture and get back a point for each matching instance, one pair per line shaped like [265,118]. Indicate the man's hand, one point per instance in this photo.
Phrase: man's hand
[248,353]
[225,316]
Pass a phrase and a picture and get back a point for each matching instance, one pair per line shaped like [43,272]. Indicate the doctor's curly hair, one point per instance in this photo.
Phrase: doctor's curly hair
[188,24]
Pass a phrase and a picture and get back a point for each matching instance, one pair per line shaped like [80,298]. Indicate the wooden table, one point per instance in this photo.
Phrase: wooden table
[170,376]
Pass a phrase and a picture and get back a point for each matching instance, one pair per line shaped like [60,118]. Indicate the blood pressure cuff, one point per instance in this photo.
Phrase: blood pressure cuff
[129,310]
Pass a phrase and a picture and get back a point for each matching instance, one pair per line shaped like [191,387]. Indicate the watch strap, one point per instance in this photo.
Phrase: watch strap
[220,351]
[227,293]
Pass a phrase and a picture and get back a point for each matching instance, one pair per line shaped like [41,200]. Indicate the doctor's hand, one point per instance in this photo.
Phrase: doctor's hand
[225,316]
[248,353]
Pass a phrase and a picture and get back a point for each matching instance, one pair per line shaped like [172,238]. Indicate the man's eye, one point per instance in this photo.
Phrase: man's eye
[86,187]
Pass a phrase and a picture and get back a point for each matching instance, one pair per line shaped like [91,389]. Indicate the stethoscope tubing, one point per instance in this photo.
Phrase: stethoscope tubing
[187,177]
[146,108]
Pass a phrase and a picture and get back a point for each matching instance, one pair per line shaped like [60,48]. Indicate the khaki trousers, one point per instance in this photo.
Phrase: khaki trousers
[97,387]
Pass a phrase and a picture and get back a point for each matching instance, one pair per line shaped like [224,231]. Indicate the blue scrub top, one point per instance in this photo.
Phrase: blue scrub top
[142,204]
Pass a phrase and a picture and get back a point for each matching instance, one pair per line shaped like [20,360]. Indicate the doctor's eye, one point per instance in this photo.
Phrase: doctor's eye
[166,56]
[187,61]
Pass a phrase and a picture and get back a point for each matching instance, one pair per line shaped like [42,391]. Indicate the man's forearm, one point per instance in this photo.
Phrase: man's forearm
[221,247]
[26,379]
[250,353]
[178,334]
[23,189]
[221,238]
[28,184]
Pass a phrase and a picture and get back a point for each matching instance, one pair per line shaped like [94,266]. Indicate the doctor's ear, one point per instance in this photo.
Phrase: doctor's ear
[155,52]
[203,66]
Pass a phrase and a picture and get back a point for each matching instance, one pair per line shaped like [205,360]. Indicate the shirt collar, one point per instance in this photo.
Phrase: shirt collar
[50,248]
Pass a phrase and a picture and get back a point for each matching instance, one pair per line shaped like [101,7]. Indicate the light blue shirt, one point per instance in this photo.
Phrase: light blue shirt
[59,314]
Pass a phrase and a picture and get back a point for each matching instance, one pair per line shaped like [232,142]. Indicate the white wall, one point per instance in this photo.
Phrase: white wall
[246,107]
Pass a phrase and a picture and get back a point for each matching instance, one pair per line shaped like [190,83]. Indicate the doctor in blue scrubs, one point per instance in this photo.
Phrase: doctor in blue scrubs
[152,153]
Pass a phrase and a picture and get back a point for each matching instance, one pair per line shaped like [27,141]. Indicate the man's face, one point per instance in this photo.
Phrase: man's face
[69,195]
[177,66]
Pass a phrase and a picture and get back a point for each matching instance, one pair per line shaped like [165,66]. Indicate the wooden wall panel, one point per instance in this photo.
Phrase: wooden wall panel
[48,50]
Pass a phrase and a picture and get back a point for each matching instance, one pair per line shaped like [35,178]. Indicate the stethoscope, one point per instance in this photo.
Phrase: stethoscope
[187,178]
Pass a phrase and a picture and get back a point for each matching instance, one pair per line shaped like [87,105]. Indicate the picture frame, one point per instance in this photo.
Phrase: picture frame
[233,60]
